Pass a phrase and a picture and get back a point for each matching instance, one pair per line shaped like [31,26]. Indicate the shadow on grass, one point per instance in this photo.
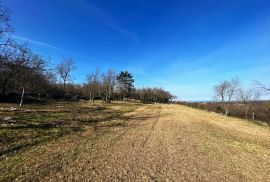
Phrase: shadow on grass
[14,139]
[39,126]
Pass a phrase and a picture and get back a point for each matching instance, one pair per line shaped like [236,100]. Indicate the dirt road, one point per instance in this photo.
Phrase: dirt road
[161,143]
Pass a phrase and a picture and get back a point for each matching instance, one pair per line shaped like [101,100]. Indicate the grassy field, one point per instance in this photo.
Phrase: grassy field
[36,128]
[79,141]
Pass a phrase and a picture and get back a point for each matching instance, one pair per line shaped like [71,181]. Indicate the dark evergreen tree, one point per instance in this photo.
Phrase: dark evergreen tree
[125,83]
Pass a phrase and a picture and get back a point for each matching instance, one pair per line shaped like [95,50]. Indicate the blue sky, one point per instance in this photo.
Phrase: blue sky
[184,46]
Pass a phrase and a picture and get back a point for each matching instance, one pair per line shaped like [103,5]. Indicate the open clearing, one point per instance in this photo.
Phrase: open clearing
[130,142]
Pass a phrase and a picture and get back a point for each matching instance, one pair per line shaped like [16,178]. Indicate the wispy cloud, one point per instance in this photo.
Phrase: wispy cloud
[16,37]
[91,10]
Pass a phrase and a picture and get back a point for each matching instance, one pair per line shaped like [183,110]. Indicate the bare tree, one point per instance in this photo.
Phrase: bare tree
[108,83]
[26,66]
[5,26]
[64,69]
[51,77]
[264,89]
[148,95]
[93,85]
[225,92]
[249,97]
[5,71]
[220,92]
[244,97]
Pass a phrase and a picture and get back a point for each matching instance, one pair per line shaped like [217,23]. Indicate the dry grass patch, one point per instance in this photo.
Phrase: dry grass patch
[41,135]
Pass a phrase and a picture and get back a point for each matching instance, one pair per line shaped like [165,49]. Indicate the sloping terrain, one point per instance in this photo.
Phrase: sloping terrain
[149,143]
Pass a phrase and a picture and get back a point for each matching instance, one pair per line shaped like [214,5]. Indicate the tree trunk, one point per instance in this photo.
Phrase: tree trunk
[246,112]
[90,97]
[227,109]
[64,87]
[22,95]
[109,95]
[124,96]
[224,106]
[93,97]
[253,114]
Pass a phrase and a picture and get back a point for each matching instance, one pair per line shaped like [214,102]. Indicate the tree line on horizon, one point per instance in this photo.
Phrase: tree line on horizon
[24,75]
[231,98]
[231,91]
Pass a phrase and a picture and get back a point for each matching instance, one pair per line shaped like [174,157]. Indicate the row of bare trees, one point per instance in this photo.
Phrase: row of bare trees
[110,85]
[21,69]
[100,85]
[25,73]
[152,95]
[230,92]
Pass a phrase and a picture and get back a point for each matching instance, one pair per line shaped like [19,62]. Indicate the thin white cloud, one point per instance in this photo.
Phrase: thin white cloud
[98,14]
[16,37]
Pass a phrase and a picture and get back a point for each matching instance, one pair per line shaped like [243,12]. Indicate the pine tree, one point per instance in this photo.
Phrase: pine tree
[125,83]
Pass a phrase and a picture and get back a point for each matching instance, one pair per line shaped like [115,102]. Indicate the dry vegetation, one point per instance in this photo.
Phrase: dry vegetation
[79,141]
[34,126]
[238,109]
